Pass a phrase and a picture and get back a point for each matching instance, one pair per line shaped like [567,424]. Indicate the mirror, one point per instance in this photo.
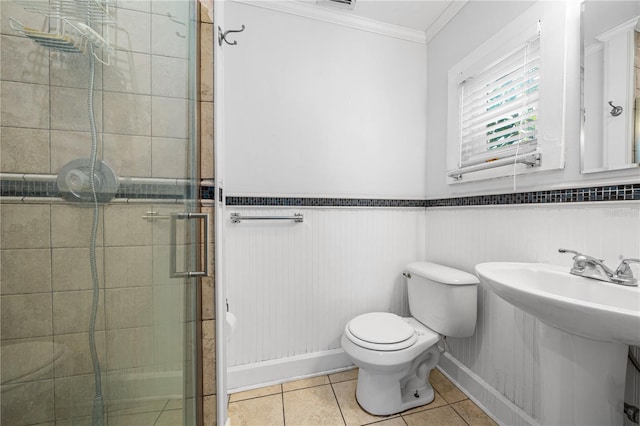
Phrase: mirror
[610,134]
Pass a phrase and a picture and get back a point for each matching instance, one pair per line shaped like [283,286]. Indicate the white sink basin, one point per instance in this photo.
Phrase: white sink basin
[582,306]
[582,338]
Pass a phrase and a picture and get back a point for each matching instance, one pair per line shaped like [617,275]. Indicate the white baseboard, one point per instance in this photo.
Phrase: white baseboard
[250,376]
[495,404]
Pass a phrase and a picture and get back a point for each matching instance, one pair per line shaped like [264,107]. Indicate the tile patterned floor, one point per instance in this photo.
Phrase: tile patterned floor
[330,400]
[156,413]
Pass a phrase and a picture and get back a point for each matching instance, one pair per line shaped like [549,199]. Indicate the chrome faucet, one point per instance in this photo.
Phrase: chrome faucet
[590,267]
[623,272]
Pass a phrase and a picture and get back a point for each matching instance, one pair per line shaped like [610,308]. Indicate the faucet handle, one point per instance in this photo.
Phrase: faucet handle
[579,257]
[624,270]
[579,260]
[561,250]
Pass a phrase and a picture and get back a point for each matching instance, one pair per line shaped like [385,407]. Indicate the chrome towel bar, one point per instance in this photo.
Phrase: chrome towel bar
[237,218]
[532,159]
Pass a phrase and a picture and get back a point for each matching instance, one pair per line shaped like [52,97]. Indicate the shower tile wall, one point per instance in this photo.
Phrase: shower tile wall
[208,328]
[141,97]
[142,115]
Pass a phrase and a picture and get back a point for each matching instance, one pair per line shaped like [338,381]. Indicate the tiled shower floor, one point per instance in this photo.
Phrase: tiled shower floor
[330,400]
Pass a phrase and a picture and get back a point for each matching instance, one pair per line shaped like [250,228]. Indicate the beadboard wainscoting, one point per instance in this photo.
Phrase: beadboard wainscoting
[294,286]
[498,366]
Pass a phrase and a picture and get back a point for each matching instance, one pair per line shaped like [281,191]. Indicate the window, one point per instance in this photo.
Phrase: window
[506,100]
[499,108]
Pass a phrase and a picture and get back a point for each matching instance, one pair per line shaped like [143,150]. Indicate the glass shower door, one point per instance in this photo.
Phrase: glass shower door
[98,157]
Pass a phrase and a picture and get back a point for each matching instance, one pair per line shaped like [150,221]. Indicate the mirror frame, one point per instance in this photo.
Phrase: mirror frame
[635,139]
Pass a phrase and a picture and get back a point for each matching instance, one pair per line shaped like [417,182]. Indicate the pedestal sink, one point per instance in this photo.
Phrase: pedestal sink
[586,327]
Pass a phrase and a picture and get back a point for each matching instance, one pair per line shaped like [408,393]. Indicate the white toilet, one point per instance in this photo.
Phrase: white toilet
[395,355]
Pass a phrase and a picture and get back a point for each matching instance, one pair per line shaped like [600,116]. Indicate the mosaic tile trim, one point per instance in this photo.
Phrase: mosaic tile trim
[153,191]
[573,195]
[141,191]
[321,202]
[207,192]
[46,189]
[20,188]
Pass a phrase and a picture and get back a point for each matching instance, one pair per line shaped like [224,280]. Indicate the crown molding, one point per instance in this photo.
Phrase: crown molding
[625,27]
[340,18]
[442,20]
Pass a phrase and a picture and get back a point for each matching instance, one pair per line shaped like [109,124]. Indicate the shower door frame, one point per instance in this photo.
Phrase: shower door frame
[220,213]
[27,189]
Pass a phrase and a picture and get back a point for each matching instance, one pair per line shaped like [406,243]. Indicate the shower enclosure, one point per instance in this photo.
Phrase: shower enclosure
[99,254]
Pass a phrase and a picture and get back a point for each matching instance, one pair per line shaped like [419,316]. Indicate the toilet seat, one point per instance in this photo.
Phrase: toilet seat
[381,331]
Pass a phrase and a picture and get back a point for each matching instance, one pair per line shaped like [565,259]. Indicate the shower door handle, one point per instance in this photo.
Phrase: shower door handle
[173,270]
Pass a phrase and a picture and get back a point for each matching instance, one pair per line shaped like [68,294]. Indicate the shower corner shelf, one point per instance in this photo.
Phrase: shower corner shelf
[69,24]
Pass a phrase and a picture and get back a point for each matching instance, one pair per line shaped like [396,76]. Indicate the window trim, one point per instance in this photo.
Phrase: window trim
[552,100]
[499,107]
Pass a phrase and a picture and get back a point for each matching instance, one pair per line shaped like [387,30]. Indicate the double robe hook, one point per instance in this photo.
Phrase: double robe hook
[615,110]
[222,36]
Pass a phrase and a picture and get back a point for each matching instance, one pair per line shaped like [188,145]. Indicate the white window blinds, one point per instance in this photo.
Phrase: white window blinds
[499,108]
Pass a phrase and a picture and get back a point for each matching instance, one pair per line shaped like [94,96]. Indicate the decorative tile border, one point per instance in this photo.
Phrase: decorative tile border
[573,195]
[138,191]
[321,202]
[151,191]
[21,188]
[207,192]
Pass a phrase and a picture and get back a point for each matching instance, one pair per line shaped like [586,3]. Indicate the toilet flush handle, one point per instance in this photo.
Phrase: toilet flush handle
[406,275]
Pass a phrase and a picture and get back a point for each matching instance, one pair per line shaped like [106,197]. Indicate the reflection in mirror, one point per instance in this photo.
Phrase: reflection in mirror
[611,85]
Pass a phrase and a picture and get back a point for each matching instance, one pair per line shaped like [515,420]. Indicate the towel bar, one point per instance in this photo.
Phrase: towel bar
[237,218]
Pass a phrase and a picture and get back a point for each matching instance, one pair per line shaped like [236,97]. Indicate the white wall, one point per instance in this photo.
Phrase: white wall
[503,351]
[316,108]
[457,40]
[502,355]
[294,286]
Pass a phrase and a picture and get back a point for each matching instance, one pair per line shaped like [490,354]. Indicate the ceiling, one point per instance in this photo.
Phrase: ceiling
[415,14]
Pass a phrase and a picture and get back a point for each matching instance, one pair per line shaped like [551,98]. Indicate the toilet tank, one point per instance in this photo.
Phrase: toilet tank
[442,298]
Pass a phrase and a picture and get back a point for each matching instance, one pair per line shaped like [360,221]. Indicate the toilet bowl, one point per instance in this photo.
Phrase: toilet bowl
[390,380]
[395,355]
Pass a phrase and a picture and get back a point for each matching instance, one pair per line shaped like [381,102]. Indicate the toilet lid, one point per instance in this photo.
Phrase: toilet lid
[382,328]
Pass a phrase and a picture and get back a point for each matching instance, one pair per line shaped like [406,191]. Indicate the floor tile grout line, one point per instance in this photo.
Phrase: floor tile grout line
[403,420]
[338,404]
[252,398]
[164,407]
[386,418]
[463,419]
[380,418]
[459,414]
[157,418]
[305,387]
[282,391]
[284,416]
